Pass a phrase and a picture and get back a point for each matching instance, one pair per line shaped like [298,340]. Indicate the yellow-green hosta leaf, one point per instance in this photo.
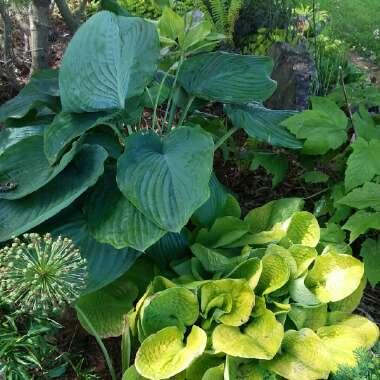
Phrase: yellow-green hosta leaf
[303,229]
[302,357]
[344,338]
[243,369]
[132,374]
[259,339]
[165,353]
[301,294]
[260,307]
[199,366]
[276,273]
[304,257]
[171,307]
[279,308]
[249,270]
[228,301]
[215,373]
[283,252]
[312,317]
[334,277]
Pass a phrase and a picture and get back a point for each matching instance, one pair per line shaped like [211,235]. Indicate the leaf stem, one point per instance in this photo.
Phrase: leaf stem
[186,111]
[224,138]
[158,99]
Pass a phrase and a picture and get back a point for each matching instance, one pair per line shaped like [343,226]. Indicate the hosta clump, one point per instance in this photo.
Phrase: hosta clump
[258,297]
[41,274]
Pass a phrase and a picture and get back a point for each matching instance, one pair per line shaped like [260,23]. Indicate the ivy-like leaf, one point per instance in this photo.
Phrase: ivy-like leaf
[360,222]
[367,196]
[370,253]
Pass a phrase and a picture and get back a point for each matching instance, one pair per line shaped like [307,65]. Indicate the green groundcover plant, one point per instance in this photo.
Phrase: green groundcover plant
[253,297]
[77,154]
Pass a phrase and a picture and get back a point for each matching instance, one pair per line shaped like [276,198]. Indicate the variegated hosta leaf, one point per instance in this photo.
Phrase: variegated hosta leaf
[243,369]
[304,257]
[334,277]
[171,307]
[166,354]
[132,374]
[301,294]
[227,301]
[312,317]
[284,253]
[201,365]
[276,273]
[344,338]
[249,270]
[259,339]
[303,229]
[303,356]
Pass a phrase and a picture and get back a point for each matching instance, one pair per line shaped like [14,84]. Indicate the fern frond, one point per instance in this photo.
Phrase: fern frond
[232,16]
[219,14]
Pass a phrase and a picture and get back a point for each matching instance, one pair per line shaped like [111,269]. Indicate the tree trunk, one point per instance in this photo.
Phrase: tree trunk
[39,34]
[71,19]
[7,40]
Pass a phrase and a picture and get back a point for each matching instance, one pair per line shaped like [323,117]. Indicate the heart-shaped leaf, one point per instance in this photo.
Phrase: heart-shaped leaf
[303,229]
[11,136]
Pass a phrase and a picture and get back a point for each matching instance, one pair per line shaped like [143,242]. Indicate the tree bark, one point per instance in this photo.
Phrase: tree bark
[71,19]
[39,34]
[7,40]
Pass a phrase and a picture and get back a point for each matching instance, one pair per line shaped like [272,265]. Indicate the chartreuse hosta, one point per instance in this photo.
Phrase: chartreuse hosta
[78,157]
[253,297]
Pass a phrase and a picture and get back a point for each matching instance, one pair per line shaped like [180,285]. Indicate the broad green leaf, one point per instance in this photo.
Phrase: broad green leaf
[66,127]
[285,254]
[247,78]
[274,163]
[315,177]
[106,308]
[263,124]
[334,277]
[99,70]
[275,274]
[104,262]
[170,24]
[195,36]
[132,374]
[171,307]
[303,356]
[365,127]
[249,270]
[201,365]
[323,128]
[363,163]
[312,317]
[360,222]
[344,338]
[228,301]
[304,257]
[12,136]
[370,252]
[165,353]
[109,141]
[19,216]
[42,90]
[114,220]
[332,233]
[220,203]
[301,294]
[259,339]
[243,369]
[215,373]
[27,178]
[367,196]
[167,179]
[303,229]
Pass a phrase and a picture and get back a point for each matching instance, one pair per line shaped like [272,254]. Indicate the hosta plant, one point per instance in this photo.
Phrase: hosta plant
[79,157]
[254,297]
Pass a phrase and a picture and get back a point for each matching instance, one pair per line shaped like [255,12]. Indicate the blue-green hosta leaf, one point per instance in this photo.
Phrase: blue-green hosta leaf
[171,307]
[259,339]
[11,136]
[110,58]
[334,277]
[104,263]
[228,301]
[106,308]
[363,163]
[220,203]
[263,124]
[201,365]
[360,222]
[303,356]
[42,90]
[247,78]
[370,253]
[167,179]
[344,338]
[25,165]
[367,196]
[249,270]
[323,128]
[304,257]
[166,354]
[312,317]
[19,216]
[116,221]
[243,369]
[303,229]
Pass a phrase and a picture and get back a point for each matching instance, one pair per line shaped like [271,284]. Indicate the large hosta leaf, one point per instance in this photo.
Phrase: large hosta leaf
[116,221]
[18,216]
[303,357]
[259,339]
[104,262]
[227,77]
[249,270]
[312,317]
[107,307]
[263,124]
[165,353]
[304,257]
[334,277]
[171,307]
[109,59]
[25,165]
[200,366]
[11,136]
[303,229]
[243,369]
[167,179]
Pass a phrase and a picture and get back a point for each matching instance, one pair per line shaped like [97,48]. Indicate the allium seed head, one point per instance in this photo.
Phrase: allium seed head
[40,273]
